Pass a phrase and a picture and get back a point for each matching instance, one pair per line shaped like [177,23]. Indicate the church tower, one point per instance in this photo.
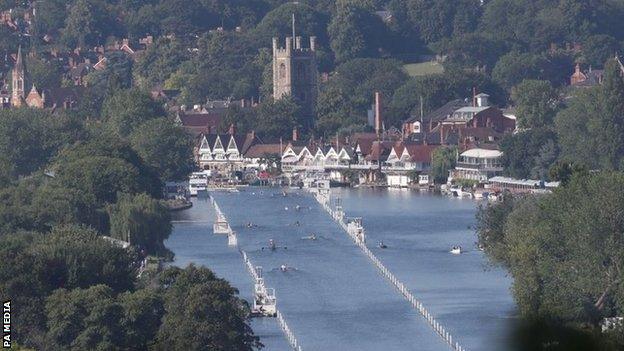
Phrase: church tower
[18,74]
[295,72]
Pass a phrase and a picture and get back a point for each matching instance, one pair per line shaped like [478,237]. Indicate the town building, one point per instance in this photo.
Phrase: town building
[478,165]
[586,79]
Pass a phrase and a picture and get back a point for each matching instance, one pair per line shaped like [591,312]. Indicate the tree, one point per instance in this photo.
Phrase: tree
[591,129]
[276,119]
[536,103]
[44,75]
[84,319]
[529,153]
[141,221]
[29,138]
[159,62]
[442,160]
[597,49]
[126,110]
[104,177]
[563,251]
[165,147]
[514,67]
[203,313]
[354,32]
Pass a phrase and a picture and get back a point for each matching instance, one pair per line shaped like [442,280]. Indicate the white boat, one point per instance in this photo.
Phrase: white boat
[456,250]
[198,182]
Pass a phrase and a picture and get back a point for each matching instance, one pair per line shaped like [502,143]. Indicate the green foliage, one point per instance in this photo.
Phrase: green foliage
[347,96]
[536,103]
[443,159]
[529,154]
[95,319]
[597,49]
[276,119]
[126,110]
[88,23]
[203,313]
[44,75]
[591,129]
[165,147]
[562,250]
[141,221]
[159,62]
[29,138]
[354,32]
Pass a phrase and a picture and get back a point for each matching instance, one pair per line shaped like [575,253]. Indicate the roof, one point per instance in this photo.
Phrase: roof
[482,153]
[507,180]
[199,119]
[440,113]
[57,97]
[420,153]
[260,150]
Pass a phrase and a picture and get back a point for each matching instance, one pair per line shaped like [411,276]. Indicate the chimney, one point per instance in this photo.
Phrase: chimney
[232,130]
[252,134]
[378,117]
[126,41]
[298,42]
[312,43]
[295,134]
[474,97]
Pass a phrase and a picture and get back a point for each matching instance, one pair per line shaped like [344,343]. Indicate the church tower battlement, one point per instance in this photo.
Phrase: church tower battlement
[295,73]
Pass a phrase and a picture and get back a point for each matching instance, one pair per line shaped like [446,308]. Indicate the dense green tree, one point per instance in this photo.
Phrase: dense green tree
[344,100]
[124,111]
[159,62]
[276,119]
[44,75]
[354,32]
[597,49]
[591,128]
[142,221]
[278,23]
[529,154]
[89,22]
[29,138]
[443,159]
[165,147]
[438,19]
[103,177]
[515,67]
[203,313]
[116,75]
[563,251]
[84,319]
[473,50]
[243,119]
[536,103]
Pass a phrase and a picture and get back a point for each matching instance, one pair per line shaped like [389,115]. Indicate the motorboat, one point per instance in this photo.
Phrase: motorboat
[456,250]
[382,245]
[198,183]
[310,237]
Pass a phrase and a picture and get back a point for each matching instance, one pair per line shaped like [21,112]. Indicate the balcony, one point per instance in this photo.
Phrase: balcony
[495,167]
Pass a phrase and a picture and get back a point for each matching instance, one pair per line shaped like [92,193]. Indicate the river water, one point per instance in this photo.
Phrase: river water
[333,298]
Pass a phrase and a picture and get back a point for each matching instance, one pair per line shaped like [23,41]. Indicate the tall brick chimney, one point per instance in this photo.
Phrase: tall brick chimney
[378,117]
[295,134]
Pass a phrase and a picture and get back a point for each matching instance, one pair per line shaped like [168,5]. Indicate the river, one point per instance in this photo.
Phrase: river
[333,297]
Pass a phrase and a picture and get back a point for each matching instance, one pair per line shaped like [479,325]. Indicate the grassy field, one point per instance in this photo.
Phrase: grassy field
[423,68]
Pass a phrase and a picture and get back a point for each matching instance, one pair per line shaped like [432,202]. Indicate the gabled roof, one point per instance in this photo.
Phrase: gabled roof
[440,113]
[420,153]
[261,150]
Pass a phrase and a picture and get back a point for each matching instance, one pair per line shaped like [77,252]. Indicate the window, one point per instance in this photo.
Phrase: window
[282,70]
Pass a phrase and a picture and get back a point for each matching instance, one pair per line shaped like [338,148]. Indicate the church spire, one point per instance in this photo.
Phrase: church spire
[18,75]
[19,62]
